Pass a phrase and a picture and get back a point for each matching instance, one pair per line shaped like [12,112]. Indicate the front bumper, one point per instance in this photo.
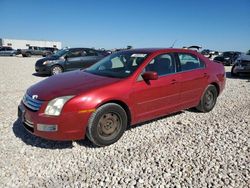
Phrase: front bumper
[242,69]
[42,69]
[69,126]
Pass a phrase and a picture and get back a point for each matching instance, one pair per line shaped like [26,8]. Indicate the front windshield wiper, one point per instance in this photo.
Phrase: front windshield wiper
[101,74]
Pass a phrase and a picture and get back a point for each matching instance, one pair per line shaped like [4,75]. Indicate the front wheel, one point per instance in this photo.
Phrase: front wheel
[107,124]
[208,99]
[56,69]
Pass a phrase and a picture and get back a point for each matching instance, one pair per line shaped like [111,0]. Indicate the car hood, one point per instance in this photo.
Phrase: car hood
[71,83]
[49,58]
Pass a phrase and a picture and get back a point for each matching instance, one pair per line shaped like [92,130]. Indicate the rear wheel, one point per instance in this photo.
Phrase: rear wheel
[107,124]
[208,99]
[56,69]
[28,54]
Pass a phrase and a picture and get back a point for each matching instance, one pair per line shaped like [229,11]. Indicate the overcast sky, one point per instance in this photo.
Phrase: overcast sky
[219,25]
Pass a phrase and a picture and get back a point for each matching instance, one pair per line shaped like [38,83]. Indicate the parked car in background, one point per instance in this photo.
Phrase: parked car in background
[209,53]
[121,90]
[68,60]
[193,47]
[50,51]
[35,50]
[7,51]
[241,65]
[227,58]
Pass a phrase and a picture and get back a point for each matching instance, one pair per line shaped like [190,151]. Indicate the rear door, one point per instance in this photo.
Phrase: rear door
[157,97]
[89,58]
[193,79]
[73,59]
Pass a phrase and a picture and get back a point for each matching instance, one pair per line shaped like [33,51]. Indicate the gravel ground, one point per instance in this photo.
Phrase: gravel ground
[187,149]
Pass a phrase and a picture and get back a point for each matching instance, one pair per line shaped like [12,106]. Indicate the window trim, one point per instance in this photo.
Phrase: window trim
[176,54]
[139,78]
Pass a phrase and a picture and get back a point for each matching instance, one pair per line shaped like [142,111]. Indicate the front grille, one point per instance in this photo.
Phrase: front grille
[31,103]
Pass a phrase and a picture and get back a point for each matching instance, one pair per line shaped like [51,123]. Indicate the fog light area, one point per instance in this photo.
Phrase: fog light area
[46,127]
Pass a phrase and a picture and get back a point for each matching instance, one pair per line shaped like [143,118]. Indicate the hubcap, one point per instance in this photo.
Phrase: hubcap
[209,99]
[109,125]
[57,70]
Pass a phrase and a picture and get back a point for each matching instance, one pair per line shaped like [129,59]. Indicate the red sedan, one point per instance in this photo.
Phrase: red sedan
[121,90]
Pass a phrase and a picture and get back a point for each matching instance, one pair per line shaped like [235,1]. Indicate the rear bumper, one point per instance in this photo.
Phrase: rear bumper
[70,126]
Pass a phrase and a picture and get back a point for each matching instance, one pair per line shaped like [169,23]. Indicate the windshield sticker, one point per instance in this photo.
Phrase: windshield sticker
[138,55]
[127,71]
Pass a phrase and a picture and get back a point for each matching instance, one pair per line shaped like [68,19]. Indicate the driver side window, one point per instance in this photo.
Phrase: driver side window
[75,53]
[162,64]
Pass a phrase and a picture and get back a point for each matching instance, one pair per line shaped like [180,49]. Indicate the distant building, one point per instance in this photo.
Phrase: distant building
[23,44]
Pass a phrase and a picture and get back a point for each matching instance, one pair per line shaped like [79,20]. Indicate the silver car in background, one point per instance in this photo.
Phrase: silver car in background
[241,65]
[7,51]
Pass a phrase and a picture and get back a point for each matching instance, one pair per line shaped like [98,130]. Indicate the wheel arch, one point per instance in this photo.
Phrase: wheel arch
[217,87]
[59,65]
[123,105]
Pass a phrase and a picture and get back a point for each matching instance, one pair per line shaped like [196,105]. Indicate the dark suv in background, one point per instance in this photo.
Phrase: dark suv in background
[227,58]
[68,60]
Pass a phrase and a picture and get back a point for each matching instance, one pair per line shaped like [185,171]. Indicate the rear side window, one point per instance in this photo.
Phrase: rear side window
[163,64]
[91,53]
[75,53]
[189,62]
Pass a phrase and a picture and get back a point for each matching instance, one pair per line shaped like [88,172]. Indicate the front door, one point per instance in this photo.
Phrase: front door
[157,97]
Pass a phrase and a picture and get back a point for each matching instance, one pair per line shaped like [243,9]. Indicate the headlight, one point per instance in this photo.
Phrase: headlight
[55,106]
[48,62]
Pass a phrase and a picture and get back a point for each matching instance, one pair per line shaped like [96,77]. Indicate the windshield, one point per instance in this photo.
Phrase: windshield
[227,54]
[118,65]
[61,52]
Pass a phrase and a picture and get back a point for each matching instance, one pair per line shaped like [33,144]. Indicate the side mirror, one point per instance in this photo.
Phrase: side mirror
[150,75]
[66,58]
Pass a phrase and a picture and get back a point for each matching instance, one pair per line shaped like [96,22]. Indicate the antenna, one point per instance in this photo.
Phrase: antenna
[173,43]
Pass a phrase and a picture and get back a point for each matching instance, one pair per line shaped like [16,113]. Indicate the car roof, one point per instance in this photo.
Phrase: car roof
[80,49]
[154,50]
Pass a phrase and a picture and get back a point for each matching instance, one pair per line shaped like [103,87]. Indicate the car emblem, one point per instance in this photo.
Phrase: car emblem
[34,96]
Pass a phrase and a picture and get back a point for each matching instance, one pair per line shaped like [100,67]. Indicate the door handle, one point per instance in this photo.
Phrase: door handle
[173,81]
[205,75]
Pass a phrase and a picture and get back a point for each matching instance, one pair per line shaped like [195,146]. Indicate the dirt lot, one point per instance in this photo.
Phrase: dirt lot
[187,149]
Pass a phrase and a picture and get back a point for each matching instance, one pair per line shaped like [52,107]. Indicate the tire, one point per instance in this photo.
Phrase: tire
[233,74]
[107,124]
[56,69]
[28,54]
[208,99]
